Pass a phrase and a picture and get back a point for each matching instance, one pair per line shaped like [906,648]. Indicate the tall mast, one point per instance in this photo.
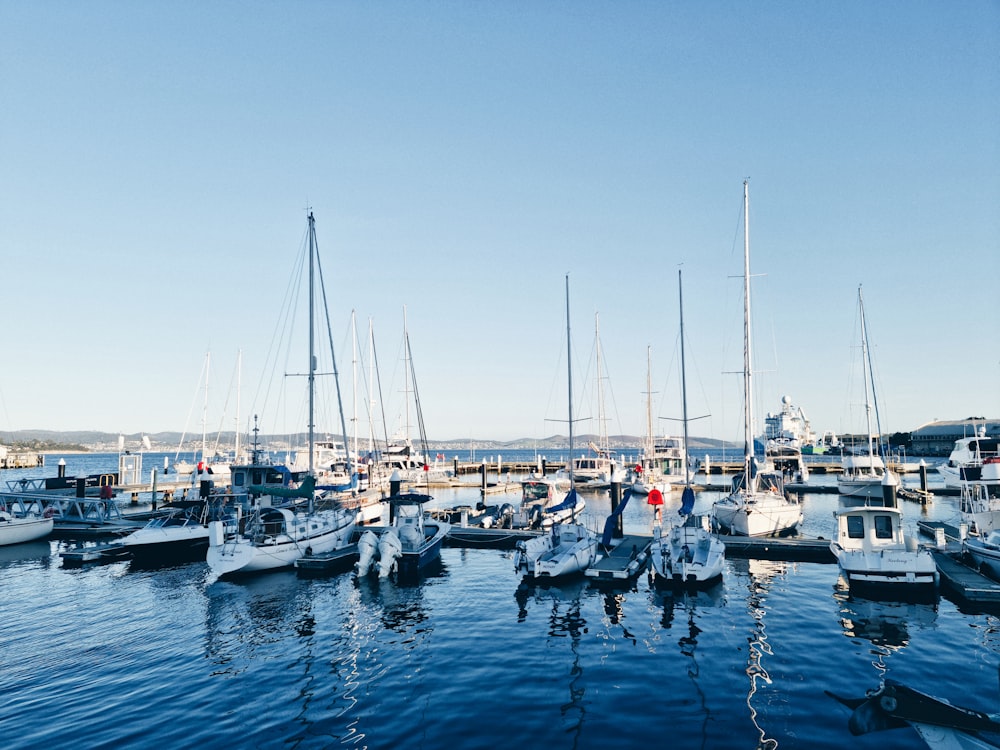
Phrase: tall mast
[569,381]
[684,398]
[239,382]
[747,359]
[603,442]
[312,352]
[354,387]
[649,403]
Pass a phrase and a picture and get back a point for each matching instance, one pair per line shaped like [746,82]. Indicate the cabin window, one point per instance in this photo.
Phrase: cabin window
[883,527]
[856,527]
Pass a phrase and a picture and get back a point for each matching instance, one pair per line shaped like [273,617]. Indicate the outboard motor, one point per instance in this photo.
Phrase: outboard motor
[367,552]
[389,550]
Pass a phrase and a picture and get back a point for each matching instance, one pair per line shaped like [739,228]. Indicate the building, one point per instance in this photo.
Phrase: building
[938,438]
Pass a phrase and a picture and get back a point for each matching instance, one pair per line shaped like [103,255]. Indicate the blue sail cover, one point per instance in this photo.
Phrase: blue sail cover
[609,523]
[687,501]
[568,502]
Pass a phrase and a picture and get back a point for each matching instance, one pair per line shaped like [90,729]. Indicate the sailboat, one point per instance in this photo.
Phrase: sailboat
[687,552]
[873,552]
[757,505]
[569,548]
[865,475]
[275,535]
[662,457]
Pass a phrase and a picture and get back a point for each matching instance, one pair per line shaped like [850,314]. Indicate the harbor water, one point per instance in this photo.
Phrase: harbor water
[468,656]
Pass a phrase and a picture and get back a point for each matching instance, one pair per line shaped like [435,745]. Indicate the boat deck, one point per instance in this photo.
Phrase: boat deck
[625,560]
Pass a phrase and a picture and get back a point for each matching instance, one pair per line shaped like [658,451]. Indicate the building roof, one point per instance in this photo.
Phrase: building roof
[957,428]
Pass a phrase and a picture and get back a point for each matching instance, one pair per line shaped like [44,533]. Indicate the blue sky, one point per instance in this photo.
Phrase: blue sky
[461,158]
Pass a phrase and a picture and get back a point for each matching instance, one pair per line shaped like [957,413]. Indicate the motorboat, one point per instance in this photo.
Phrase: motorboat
[22,521]
[411,542]
[980,510]
[757,504]
[875,556]
[567,549]
[985,551]
[973,459]
[179,533]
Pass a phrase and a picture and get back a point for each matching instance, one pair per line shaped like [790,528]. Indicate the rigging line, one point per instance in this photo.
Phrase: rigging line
[194,400]
[329,333]
[416,399]
[381,403]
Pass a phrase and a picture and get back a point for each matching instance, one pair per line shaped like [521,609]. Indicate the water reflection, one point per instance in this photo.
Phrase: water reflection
[565,621]
[15,555]
[684,607]
[887,625]
[759,576]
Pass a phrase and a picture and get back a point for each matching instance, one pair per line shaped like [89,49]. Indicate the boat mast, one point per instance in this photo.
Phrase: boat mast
[312,353]
[239,384]
[747,375]
[569,381]
[649,404]
[684,399]
[864,377]
[604,444]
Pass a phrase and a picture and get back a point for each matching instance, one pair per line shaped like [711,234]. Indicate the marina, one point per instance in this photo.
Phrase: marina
[779,607]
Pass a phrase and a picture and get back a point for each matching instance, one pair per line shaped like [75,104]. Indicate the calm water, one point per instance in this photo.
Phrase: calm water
[115,656]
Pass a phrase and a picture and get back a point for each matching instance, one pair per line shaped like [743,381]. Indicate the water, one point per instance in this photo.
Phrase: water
[102,657]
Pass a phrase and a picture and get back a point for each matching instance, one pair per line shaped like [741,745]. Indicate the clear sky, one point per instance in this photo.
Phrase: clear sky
[156,161]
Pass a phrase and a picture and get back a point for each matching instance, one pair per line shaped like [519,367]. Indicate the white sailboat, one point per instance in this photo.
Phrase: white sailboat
[275,537]
[569,548]
[872,550]
[22,521]
[686,552]
[864,475]
[757,504]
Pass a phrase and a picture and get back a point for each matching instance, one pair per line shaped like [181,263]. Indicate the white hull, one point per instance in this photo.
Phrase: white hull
[873,552]
[898,567]
[759,514]
[316,534]
[686,554]
[567,550]
[985,551]
[15,530]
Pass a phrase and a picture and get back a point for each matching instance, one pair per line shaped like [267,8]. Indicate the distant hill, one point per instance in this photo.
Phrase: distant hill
[168,441]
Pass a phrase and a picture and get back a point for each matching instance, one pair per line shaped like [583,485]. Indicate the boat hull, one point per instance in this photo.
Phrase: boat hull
[757,518]
[244,555]
[687,556]
[19,530]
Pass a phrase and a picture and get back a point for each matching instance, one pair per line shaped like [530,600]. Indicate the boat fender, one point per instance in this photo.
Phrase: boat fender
[49,512]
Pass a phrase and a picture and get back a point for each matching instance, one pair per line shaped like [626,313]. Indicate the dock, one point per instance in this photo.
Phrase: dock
[623,562]
[328,562]
[970,585]
[100,554]
[789,549]
[494,538]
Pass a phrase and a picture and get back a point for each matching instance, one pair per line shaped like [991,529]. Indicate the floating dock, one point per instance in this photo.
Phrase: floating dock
[623,562]
[328,562]
[790,549]
[97,555]
[967,583]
